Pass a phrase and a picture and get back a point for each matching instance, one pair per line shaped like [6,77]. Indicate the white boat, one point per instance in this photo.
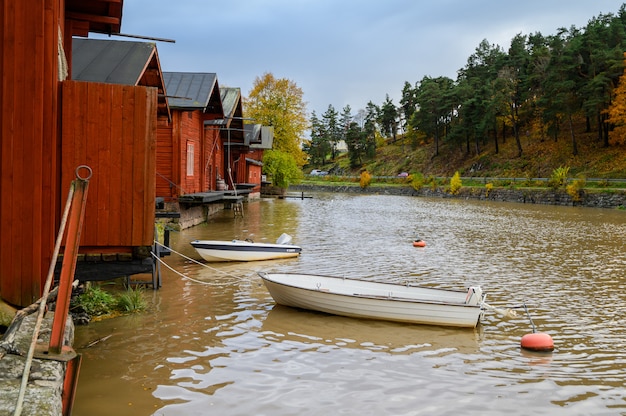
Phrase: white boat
[375,300]
[245,250]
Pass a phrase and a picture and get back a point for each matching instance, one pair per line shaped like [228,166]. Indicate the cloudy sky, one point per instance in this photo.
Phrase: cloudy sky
[341,52]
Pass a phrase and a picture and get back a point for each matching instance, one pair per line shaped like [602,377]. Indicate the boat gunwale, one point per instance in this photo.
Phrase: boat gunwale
[236,246]
[375,297]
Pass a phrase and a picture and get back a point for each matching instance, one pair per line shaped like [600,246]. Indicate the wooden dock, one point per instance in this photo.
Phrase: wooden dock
[296,196]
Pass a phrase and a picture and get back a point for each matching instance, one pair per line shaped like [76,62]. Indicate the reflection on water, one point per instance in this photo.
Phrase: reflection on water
[224,347]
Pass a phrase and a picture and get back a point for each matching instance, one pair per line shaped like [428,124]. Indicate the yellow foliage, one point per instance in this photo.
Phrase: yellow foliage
[365,180]
[455,183]
[488,187]
[279,103]
[617,113]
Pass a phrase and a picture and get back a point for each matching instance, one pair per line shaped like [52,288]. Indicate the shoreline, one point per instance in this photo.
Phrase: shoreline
[613,199]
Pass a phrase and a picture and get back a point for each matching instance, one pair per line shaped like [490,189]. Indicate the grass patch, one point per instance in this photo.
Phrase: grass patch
[97,302]
[132,300]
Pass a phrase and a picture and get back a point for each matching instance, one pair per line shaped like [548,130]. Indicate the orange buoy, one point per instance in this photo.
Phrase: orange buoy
[419,243]
[537,341]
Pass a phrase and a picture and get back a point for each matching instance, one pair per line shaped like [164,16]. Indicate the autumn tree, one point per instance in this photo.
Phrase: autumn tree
[278,103]
[617,113]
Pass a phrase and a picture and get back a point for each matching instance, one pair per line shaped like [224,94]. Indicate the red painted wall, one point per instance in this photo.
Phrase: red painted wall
[29,146]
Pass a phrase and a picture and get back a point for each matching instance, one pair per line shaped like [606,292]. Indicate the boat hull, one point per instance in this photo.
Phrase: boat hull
[372,300]
[237,250]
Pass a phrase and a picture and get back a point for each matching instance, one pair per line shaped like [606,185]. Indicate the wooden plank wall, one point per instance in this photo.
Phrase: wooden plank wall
[213,155]
[165,187]
[112,129]
[191,129]
[28,146]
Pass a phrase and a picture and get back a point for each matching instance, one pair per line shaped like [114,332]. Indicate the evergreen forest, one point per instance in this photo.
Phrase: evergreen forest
[549,101]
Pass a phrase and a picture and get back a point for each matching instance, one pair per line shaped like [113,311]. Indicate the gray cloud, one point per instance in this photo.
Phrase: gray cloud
[341,52]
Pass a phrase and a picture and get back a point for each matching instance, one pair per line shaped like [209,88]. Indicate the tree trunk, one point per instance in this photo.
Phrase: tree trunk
[605,131]
[476,144]
[516,132]
[571,129]
[495,135]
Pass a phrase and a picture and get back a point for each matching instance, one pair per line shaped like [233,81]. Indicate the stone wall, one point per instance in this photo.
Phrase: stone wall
[595,198]
[43,396]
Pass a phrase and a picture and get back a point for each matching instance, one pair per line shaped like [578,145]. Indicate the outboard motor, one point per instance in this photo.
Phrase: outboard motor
[284,239]
[474,295]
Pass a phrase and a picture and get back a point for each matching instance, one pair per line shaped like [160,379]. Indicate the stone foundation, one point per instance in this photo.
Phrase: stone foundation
[43,396]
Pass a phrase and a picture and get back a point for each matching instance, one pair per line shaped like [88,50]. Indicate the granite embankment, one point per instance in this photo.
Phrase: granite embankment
[586,198]
[44,393]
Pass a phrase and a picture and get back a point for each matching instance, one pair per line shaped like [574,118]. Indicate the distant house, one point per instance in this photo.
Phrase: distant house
[259,139]
[230,130]
[244,144]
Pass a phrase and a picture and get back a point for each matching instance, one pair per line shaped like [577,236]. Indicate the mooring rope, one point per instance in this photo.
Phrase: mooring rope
[184,276]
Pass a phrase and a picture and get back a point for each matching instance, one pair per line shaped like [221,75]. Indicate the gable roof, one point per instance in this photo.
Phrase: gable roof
[119,62]
[231,102]
[110,61]
[193,91]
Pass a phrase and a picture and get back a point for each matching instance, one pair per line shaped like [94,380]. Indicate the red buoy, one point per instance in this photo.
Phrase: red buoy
[419,243]
[537,341]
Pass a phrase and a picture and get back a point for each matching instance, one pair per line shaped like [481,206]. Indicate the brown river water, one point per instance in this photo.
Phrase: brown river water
[214,343]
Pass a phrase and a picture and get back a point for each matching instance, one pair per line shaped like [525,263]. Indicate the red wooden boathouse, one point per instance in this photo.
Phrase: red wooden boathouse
[50,124]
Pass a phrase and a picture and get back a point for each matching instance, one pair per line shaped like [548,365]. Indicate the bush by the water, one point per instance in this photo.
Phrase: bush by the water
[96,301]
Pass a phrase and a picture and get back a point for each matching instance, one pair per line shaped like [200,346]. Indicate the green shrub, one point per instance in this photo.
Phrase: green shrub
[417,181]
[98,302]
[432,181]
[559,177]
[94,301]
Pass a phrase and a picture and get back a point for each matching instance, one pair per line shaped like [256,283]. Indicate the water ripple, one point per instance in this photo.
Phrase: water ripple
[226,348]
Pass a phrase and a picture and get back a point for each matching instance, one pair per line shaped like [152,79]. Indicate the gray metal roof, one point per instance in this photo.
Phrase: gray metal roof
[191,90]
[252,133]
[265,140]
[231,101]
[110,61]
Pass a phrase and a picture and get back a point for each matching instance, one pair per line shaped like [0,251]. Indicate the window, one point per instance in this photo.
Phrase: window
[190,155]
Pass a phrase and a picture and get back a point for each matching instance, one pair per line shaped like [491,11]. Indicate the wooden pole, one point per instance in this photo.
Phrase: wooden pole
[75,226]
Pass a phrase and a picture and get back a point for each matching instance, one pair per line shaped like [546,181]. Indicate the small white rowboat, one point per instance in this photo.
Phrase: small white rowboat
[241,250]
[375,300]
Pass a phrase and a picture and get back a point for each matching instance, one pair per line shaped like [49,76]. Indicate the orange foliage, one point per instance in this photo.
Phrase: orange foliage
[617,113]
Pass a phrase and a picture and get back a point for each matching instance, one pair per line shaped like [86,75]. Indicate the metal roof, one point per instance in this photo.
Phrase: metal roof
[265,139]
[252,133]
[231,102]
[192,91]
[110,61]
